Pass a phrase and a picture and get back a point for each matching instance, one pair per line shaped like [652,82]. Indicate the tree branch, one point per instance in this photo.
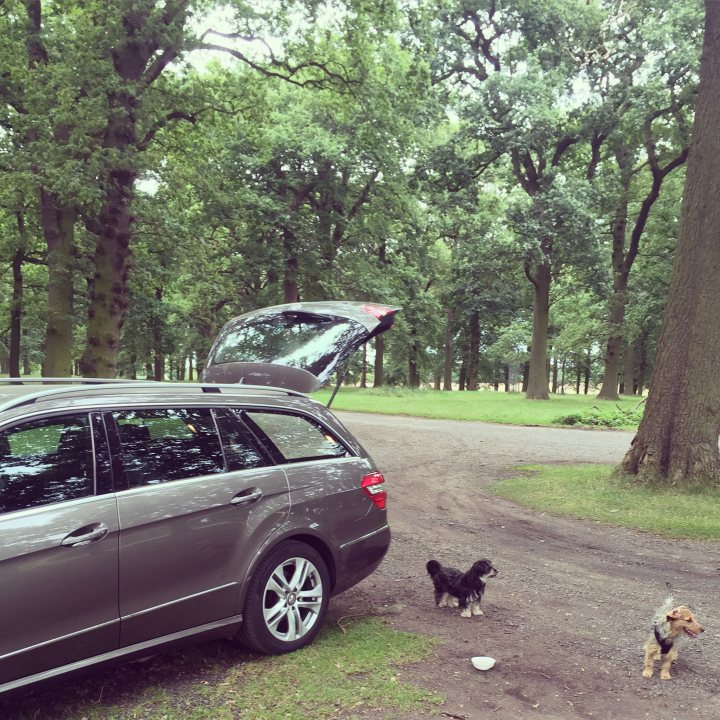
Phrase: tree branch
[161,123]
[285,70]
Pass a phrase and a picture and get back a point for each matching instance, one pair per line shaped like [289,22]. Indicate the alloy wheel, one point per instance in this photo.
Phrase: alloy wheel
[292,599]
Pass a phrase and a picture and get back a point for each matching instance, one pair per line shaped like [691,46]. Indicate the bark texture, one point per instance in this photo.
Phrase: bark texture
[58,224]
[677,441]
[474,358]
[537,387]
[449,350]
[379,368]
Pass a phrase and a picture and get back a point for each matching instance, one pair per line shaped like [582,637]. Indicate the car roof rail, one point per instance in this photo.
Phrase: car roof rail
[87,385]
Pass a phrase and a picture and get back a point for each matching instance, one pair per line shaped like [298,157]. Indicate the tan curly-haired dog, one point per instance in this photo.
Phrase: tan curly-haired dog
[671,626]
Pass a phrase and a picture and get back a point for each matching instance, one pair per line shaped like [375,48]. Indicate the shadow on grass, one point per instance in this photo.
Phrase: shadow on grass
[118,684]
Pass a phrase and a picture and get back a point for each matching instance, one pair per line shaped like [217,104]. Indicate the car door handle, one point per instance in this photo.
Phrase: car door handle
[245,497]
[85,535]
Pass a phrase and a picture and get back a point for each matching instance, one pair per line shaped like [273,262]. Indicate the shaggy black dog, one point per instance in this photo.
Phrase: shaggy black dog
[454,588]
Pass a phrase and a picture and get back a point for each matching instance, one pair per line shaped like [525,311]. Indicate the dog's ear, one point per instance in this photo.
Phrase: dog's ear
[674,614]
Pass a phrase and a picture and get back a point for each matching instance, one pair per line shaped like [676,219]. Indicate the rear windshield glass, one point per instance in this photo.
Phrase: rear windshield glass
[307,342]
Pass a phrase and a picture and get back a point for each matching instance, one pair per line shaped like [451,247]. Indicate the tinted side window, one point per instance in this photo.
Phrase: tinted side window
[241,451]
[168,444]
[46,461]
[297,437]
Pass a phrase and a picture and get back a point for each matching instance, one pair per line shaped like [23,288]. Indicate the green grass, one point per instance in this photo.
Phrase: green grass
[337,676]
[485,405]
[592,492]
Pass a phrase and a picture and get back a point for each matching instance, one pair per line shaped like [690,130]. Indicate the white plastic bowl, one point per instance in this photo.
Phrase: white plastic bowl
[482,662]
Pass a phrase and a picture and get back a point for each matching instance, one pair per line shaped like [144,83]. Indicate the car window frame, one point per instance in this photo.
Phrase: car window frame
[102,481]
[121,482]
[234,419]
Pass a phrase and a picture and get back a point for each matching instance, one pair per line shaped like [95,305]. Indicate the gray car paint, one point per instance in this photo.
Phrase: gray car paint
[168,527]
[59,604]
[184,548]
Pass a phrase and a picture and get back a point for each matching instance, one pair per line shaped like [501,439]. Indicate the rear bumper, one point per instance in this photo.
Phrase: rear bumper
[360,557]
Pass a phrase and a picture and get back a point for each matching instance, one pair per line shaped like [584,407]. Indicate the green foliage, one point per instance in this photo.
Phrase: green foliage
[611,417]
[363,150]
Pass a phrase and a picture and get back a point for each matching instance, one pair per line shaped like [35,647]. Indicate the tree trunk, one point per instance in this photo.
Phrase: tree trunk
[506,377]
[619,298]
[58,225]
[108,302]
[26,369]
[16,312]
[554,376]
[586,371]
[677,440]
[629,384]
[526,375]
[537,388]
[363,370]
[474,359]
[157,338]
[449,349]
[113,226]
[291,291]
[578,379]
[413,375]
[379,369]
[462,380]
[642,364]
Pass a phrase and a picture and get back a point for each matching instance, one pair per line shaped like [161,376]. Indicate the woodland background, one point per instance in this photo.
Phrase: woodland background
[510,173]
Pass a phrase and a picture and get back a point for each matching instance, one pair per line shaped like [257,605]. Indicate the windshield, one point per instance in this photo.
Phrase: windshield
[313,343]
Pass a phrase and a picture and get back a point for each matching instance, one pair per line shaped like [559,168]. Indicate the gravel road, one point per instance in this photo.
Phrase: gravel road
[573,602]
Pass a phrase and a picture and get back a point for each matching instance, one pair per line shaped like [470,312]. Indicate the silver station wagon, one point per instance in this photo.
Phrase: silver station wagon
[136,515]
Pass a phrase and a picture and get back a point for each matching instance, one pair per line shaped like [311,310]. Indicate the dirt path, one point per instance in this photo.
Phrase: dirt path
[568,614]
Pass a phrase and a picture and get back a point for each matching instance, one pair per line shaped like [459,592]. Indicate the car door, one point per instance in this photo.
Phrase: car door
[297,345]
[59,549]
[190,505]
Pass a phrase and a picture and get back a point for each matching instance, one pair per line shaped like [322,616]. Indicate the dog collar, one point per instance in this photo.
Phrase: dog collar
[664,643]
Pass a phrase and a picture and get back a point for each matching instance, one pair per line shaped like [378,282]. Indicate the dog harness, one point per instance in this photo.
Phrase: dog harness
[664,643]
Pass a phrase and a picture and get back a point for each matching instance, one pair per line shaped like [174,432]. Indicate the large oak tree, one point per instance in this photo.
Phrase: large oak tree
[677,441]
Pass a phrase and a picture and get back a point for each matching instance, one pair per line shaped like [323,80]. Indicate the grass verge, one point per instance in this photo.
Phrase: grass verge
[592,492]
[340,674]
[484,405]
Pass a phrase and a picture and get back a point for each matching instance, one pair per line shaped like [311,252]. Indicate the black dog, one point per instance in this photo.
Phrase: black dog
[454,588]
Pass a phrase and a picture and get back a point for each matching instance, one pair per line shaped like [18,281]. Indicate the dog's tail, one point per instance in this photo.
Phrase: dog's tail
[433,567]
[667,605]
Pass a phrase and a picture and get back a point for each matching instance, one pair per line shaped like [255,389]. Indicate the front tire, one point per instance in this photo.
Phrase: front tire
[287,600]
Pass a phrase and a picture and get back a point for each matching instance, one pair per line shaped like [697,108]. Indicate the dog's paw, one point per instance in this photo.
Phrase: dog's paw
[648,672]
[477,611]
[465,612]
[665,675]
[453,602]
[443,602]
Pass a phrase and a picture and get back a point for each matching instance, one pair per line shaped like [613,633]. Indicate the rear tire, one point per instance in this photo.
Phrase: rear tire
[287,600]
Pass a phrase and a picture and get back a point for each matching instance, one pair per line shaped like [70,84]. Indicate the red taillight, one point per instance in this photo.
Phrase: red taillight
[372,485]
[377,311]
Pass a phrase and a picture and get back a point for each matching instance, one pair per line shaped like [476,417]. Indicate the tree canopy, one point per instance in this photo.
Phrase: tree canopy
[507,171]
